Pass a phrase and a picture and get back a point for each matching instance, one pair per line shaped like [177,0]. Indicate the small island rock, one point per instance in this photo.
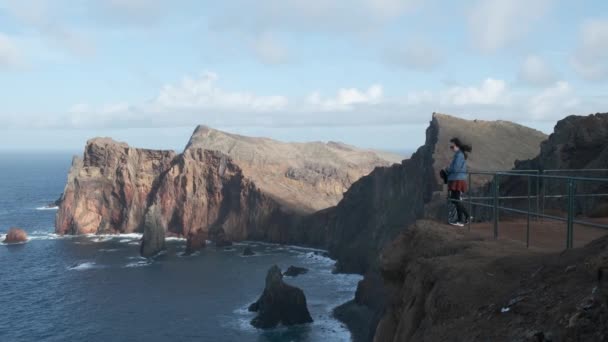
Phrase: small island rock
[15,235]
[279,303]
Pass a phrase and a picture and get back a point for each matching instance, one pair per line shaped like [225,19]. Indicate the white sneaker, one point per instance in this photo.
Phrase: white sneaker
[458,224]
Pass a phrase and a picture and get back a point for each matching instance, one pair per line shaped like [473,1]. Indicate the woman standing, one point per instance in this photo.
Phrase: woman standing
[457,184]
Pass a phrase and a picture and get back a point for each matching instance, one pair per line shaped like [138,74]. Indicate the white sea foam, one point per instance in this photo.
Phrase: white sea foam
[47,208]
[140,263]
[84,266]
[109,250]
[175,238]
[43,235]
[315,258]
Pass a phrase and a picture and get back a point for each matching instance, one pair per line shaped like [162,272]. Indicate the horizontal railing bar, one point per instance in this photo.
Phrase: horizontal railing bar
[576,170]
[542,176]
[532,197]
[557,218]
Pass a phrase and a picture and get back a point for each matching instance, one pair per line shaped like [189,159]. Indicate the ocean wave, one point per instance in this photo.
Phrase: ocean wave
[174,238]
[41,235]
[115,236]
[47,208]
[139,263]
[84,266]
[109,250]
[316,258]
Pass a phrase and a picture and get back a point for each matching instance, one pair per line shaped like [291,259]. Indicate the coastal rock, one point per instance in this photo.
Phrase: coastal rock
[428,271]
[378,206]
[302,176]
[15,235]
[153,240]
[248,251]
[577,143]
[107,191]
[195,241]
[280,303]
[294,271]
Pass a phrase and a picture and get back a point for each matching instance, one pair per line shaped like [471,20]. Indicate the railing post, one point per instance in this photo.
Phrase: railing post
[544,192]
[570,220]
[537,194]
[529,208]
[470,202]
[496,190]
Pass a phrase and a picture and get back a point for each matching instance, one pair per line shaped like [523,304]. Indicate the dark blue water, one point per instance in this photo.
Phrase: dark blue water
[97,288]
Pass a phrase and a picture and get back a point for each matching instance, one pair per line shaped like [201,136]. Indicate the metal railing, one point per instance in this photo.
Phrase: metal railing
[538,195]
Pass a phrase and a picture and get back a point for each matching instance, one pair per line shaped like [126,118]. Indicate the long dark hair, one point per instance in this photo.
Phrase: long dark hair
[462,146]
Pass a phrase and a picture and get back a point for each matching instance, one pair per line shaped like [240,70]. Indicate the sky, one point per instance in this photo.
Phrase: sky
[365,72]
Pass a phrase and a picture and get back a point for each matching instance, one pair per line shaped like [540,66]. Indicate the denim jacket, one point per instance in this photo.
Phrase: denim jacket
[458,168]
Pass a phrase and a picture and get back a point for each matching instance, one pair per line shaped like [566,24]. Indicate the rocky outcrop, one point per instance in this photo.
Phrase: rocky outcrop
[294,271]
[577,143]
[280,303]
[15,235]
[205,190]
[448,285]
[195,241]
[302,176]
[377,207]
[107,191]
[153,240]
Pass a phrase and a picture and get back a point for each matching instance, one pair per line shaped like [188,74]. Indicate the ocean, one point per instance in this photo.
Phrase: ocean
[97,288]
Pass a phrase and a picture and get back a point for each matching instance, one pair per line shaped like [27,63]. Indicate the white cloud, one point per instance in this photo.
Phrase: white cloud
[490,92]
[268,50]
[495,24]
[591,58]
[417,55]
[553,102]
[10,55]
[535,71]
[204,93]
[203,99]
[346,99]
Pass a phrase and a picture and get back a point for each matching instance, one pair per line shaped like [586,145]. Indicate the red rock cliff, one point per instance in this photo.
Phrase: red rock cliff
[107,191]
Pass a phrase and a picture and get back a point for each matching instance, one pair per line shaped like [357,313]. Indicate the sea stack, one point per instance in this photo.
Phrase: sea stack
[15,235]
[279,303]
[153,241]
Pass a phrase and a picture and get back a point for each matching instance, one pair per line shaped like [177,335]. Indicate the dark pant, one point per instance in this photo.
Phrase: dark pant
[463,214]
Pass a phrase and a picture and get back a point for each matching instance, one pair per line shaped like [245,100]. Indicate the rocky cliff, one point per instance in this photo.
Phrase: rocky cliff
[302,176]
[206,191]
[577,143]
[449,285]
[199,194]
[107,191]
[379,205]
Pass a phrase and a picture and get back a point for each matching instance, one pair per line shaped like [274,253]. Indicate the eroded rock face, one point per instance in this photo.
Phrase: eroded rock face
[451,285]
[280,303]
[153,240]
[107,191]
[206,191]
[196,241]
[15,235]
[577,142]
[378,206]
[302,176]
